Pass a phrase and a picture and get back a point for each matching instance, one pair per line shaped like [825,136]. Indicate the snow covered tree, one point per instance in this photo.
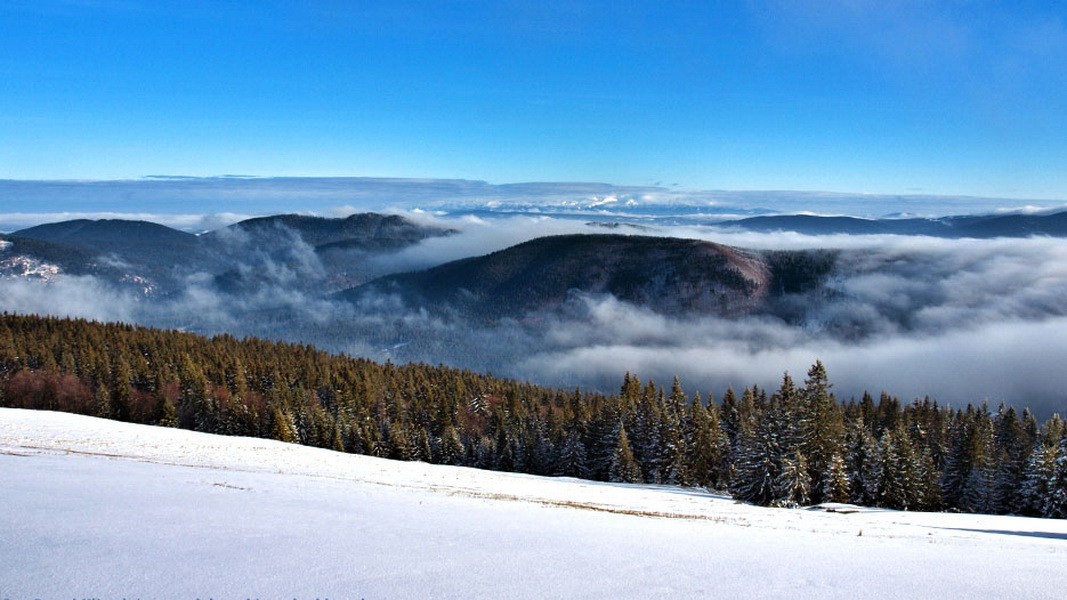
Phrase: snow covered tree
[730,418]
[623,466]
[573,460]
[758,465]
[929,492]
[1055,505]
[793,485]
[864,465]
[821,427]
[835,480]
[899,477]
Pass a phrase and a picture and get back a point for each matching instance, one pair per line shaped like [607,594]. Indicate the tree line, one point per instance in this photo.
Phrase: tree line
[793,446]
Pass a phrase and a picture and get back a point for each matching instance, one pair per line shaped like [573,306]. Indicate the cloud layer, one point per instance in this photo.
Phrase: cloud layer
[203,203]
[959,320]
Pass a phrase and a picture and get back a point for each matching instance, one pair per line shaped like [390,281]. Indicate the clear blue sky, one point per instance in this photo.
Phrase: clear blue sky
[946,97]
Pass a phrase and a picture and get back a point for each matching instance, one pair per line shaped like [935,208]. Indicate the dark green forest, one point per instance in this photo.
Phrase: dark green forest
[793,446]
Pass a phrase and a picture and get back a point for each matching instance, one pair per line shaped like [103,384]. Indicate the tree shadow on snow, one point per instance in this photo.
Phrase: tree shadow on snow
[1038,534]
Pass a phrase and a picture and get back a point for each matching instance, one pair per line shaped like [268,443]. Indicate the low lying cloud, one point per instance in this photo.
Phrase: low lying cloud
[205,203]
[958,320]
[1013,361]
[70,296]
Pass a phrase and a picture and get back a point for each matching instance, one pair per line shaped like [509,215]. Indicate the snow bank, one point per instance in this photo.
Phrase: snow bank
[95,508]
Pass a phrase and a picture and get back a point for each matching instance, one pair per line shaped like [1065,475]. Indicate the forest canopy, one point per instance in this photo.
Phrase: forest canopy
[794,446]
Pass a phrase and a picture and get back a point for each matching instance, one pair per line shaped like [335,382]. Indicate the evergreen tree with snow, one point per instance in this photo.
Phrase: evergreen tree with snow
[1055,505]
[864,466]
[573,459]
[758,464]
[899,476]
[821,427]
[624,467]
[835,480]
[793,484]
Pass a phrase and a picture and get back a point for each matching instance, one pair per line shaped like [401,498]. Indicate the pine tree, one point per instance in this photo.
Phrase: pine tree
[451,447]
[707,447]
[758,465]
[822,428]
[337,442]
[835,481]
[623,466]
[1055,506]
[730,417]
[864,465]
[793,485]
[899,477]
[929,492]
[168,415]
[573,460]
[283,429]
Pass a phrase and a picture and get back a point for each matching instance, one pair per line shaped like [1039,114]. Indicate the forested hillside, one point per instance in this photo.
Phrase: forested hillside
[796,445]
[668,275]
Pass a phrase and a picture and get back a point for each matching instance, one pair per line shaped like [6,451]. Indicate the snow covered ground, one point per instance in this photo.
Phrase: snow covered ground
[97,509]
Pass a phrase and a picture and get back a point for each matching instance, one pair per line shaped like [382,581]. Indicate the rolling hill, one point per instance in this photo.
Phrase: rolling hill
[668,275]
[239,257]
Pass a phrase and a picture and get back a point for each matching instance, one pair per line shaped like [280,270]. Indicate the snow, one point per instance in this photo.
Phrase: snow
[98,509]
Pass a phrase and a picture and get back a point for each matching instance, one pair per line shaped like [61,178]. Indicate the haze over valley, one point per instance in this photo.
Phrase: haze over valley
[565,287]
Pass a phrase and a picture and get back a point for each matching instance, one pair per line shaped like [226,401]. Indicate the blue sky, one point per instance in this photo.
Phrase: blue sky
[946,97]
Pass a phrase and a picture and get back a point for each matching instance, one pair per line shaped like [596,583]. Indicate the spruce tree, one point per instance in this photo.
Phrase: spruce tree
[573,460]
[451,448]
[624,467]
[835,481]
[758,464]
[822,428]
[707,447]
[1055,505]
[793,485]
[283,429]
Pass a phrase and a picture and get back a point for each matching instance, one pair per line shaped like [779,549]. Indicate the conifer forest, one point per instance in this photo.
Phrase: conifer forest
[796,445]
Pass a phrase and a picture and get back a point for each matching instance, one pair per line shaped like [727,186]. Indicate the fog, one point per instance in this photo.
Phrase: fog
[958,320]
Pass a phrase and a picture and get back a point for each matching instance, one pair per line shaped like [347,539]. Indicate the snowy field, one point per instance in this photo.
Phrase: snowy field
[97,509]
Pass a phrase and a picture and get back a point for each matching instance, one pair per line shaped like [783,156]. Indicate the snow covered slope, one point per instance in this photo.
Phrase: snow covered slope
[99,509]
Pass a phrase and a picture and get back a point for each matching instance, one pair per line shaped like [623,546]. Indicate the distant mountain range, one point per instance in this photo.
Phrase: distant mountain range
[121,250]
[330,259]
[989,226]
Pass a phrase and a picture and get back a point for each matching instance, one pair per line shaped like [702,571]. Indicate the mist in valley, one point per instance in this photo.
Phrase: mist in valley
[958,320]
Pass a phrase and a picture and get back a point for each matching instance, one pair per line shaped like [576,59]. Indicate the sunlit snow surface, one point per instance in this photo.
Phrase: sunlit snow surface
[97,509]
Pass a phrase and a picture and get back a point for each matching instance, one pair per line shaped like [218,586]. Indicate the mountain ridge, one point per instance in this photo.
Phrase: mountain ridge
[962,226]
[670,275]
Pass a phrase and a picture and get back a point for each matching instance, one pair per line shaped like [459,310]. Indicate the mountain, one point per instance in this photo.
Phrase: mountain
[23,255]
[1054,225]
[365,231]
[967,226]
[255,250]
[242,257]
[143,251]
[26,258]
[668,275]
[139,241]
